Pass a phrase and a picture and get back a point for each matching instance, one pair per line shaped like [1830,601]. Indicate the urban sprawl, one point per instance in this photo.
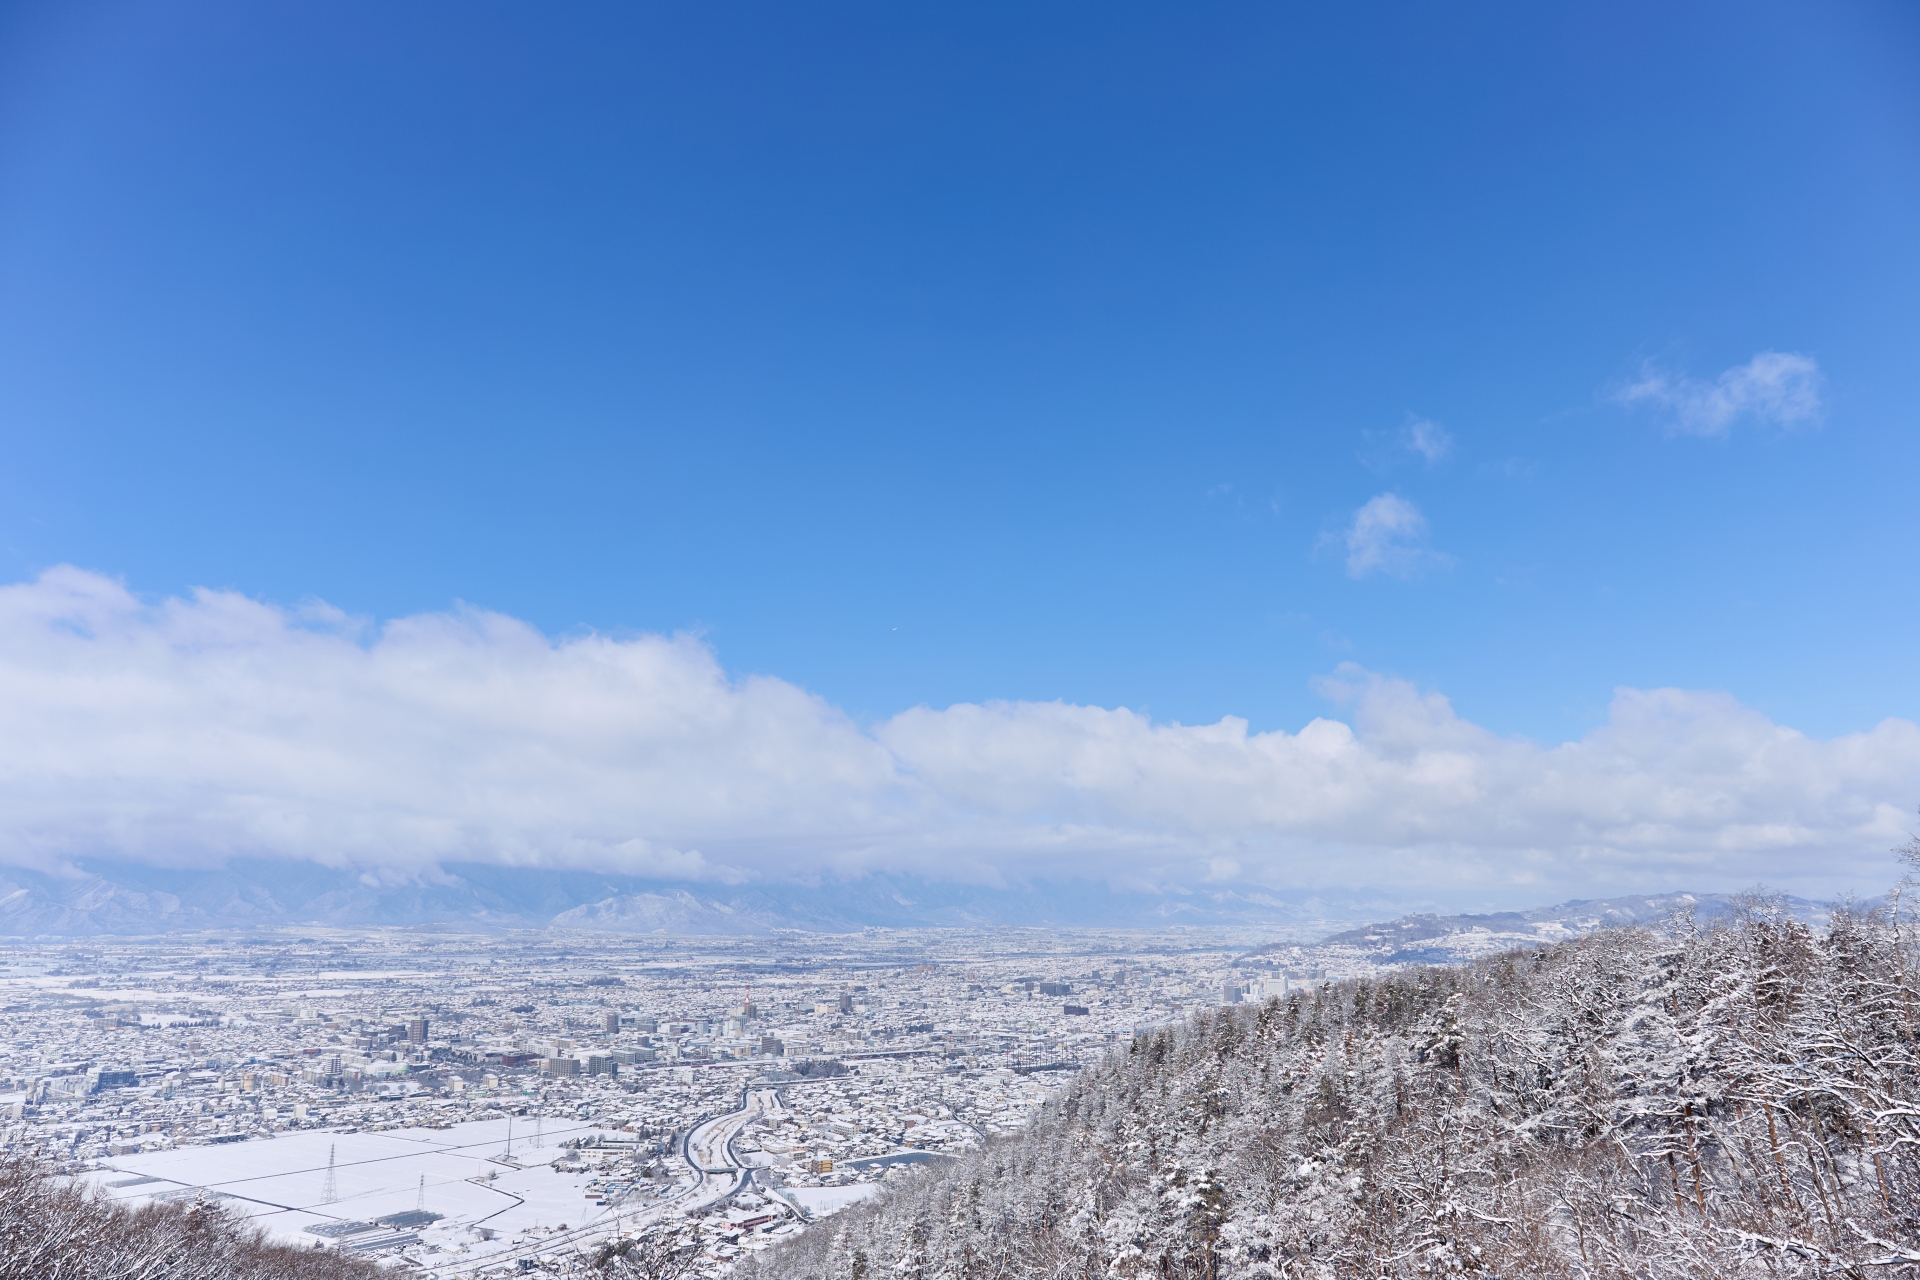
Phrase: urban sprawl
[474,1105]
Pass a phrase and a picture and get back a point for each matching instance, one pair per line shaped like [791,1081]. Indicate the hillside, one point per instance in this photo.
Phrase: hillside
[50,1229]
[1732,1099]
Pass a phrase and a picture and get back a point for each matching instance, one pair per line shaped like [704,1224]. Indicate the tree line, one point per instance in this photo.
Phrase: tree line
[1732,1098]
[53,1228]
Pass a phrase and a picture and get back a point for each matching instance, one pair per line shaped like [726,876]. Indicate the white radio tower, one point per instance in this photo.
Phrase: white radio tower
[330,1192]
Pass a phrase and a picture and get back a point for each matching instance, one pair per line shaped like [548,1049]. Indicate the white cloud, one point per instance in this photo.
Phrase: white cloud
[1420,438]
[1780,388]
[1429,439]
[1389,535]
[213,725]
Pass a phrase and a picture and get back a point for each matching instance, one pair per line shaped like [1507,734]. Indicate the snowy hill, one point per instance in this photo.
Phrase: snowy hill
[678,912]
[1734,1100]
[1437,939]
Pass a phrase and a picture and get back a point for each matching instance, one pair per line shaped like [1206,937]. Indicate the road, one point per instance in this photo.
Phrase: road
[709,1149]
[718,1174]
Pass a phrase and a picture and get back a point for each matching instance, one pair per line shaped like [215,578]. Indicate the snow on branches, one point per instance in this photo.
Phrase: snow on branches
[1699,1102]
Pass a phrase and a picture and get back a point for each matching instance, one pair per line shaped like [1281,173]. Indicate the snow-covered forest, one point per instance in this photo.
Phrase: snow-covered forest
[52,1228]
[1701,1101]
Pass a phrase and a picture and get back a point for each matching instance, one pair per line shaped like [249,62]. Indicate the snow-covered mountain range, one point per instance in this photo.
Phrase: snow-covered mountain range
[132,900]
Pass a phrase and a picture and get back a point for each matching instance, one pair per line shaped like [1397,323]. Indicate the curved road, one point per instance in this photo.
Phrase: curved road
[717,1175]
[709,1149]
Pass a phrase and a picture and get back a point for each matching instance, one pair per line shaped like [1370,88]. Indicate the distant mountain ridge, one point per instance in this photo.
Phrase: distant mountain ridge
[121,899]
[1436,939]
[109,899]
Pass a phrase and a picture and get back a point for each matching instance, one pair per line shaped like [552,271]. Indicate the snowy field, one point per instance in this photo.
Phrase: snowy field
[281,1182]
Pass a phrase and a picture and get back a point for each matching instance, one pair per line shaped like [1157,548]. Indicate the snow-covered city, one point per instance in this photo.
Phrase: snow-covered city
[473,1104]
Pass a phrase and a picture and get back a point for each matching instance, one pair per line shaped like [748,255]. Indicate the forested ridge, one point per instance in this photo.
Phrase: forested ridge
[1730,1100]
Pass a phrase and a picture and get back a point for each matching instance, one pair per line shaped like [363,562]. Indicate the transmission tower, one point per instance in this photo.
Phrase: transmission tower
[509,1137]
[331,1191]
[539,1131]
[420,1205]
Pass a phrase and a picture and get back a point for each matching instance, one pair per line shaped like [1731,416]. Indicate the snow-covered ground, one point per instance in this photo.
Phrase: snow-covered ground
[822,1201]
[281,1182]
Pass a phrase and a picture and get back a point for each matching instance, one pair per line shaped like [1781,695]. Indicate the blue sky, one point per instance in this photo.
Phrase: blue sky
[923,355]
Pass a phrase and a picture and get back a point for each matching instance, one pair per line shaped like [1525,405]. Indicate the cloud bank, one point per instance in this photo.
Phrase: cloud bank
[1780,388]
[198,728]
